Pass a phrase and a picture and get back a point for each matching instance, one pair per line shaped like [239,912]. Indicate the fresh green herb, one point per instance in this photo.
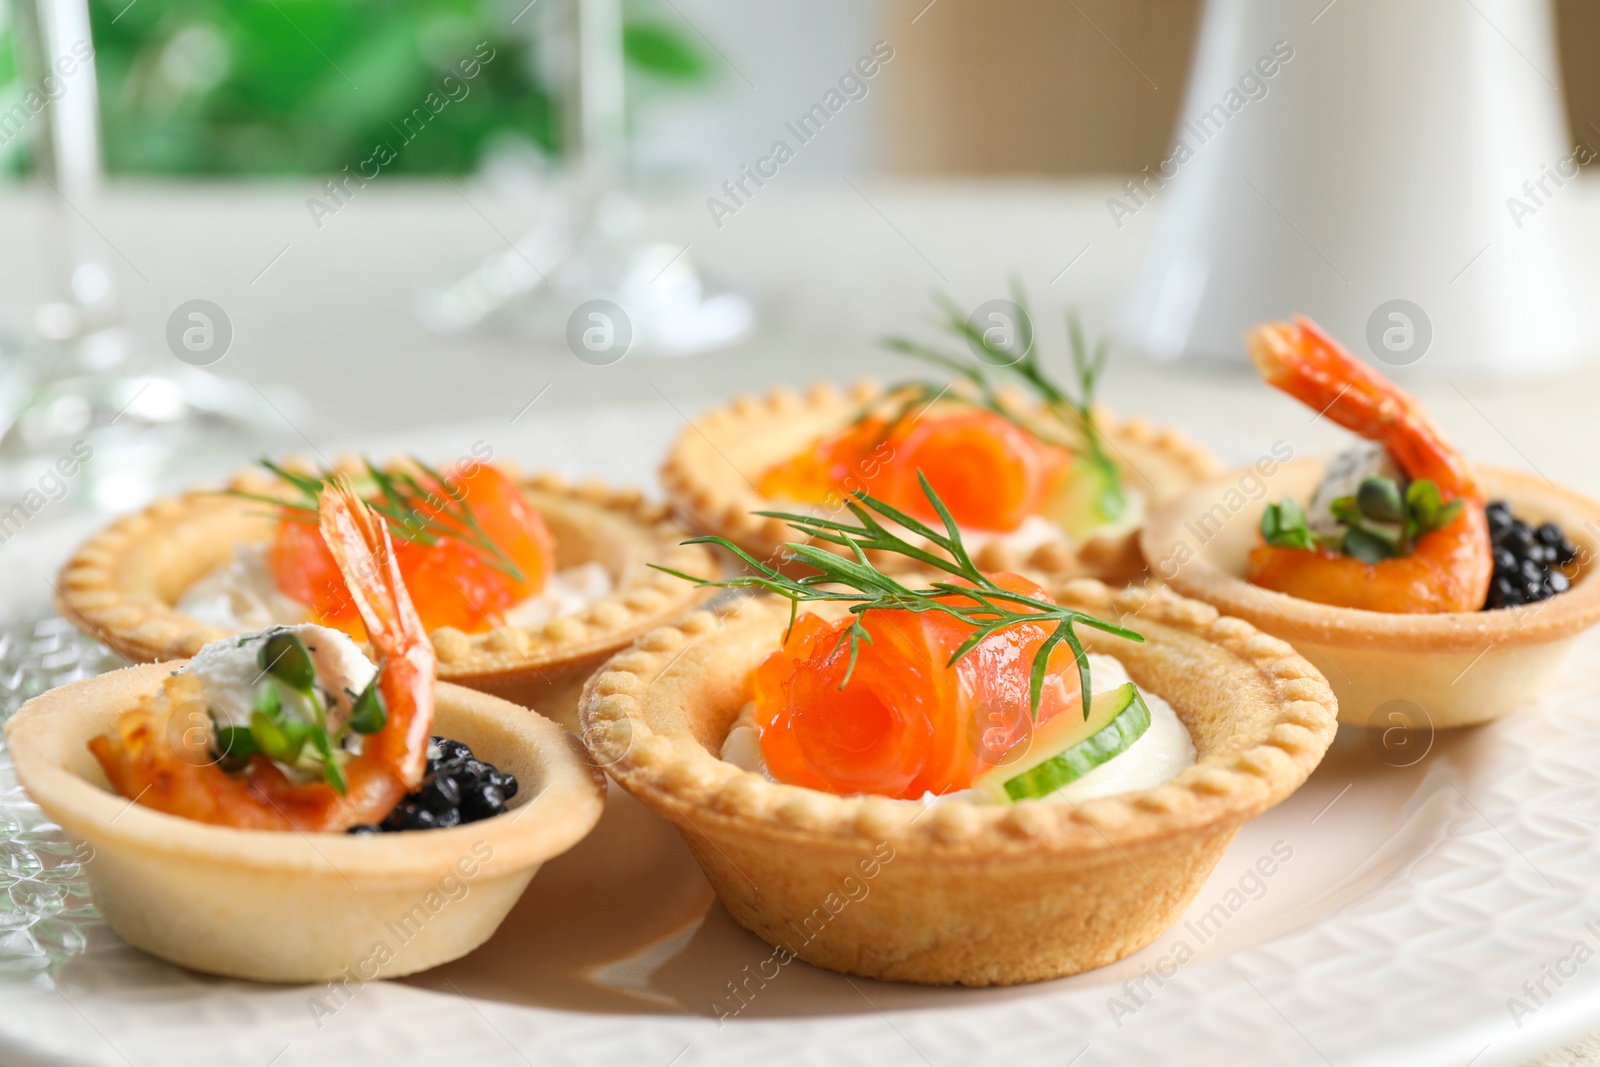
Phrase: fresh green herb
[1379,500]
[235,745]
[268,701]
[367,714]
[1366,545]
[981,373]
[281,738]
[1283,525]
[1427,512]
[284,656]
[1346,510]
[331,772]
[984,605]
[414,511]
[1379,521]
[289,712]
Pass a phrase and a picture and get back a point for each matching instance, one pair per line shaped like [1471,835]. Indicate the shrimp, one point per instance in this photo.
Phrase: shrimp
[142,762]
[1448,569]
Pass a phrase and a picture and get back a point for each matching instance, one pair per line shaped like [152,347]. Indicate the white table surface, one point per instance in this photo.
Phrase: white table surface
[835,267]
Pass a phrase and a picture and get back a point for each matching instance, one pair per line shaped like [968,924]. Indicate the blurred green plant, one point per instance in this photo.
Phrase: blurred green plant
[309,86]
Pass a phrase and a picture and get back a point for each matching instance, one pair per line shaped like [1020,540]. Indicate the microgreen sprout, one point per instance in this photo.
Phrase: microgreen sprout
[289,712]
[1380,522]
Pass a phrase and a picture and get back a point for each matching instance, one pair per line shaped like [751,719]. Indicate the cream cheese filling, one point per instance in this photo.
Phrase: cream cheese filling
[229,671]
[1163,752]
[243,595]
[1344,477]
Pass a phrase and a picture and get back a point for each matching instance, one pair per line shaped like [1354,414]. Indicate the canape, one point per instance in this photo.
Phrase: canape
[1441,668]
[525,585]
[905,781]
[1430,591]
[1036,475]
[279,808]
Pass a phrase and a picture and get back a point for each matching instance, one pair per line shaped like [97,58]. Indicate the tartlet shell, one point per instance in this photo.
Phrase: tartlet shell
[1458,668]
[972,894]
[121,584]
[711,471]
[294,907]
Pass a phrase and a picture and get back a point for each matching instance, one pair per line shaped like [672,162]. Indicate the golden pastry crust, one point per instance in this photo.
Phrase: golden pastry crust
[977,894]
[122,584]
[1501,659]
[292,907]
[711,471]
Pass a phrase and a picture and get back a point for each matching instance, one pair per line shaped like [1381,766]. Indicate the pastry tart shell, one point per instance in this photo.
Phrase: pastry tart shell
[711,472]
[1420,671]
[294,907]
[122,584]
[962,892]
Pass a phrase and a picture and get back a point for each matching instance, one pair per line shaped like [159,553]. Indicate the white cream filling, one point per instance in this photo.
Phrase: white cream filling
[243,595]
[1134,506]
[565,592]
[229,671]
[1344,477]
[1163,752]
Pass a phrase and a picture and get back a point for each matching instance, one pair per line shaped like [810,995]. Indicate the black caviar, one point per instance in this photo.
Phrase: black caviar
[457,788]
[1528,559]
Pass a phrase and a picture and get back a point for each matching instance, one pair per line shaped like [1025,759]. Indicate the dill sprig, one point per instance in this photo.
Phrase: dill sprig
[414,512]
[984,605]
[1074,413]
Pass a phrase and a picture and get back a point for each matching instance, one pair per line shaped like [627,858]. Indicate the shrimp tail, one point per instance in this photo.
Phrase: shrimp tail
[361,545]
[1449,569]
[362,548]
[1300,359]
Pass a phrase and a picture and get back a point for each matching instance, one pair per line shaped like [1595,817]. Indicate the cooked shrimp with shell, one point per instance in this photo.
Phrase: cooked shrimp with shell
[1400,528]
[298,730]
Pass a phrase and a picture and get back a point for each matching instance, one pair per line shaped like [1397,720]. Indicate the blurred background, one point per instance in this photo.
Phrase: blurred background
[392,214]
[1024,87]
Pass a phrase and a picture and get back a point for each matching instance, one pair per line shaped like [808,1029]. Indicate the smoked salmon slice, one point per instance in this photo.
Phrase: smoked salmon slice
[991,473]
[453,581]
[905,724]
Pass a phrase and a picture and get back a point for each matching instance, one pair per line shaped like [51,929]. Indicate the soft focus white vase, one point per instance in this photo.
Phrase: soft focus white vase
[1414,152]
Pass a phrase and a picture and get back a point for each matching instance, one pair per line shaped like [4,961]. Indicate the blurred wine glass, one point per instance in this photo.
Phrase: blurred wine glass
[591,245]
[75,379]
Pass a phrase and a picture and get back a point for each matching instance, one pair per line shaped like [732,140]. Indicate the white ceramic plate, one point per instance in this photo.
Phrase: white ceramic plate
[1429,902]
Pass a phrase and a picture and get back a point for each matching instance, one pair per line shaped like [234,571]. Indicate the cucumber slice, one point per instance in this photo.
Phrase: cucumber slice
[1068,747]
[1090,497]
